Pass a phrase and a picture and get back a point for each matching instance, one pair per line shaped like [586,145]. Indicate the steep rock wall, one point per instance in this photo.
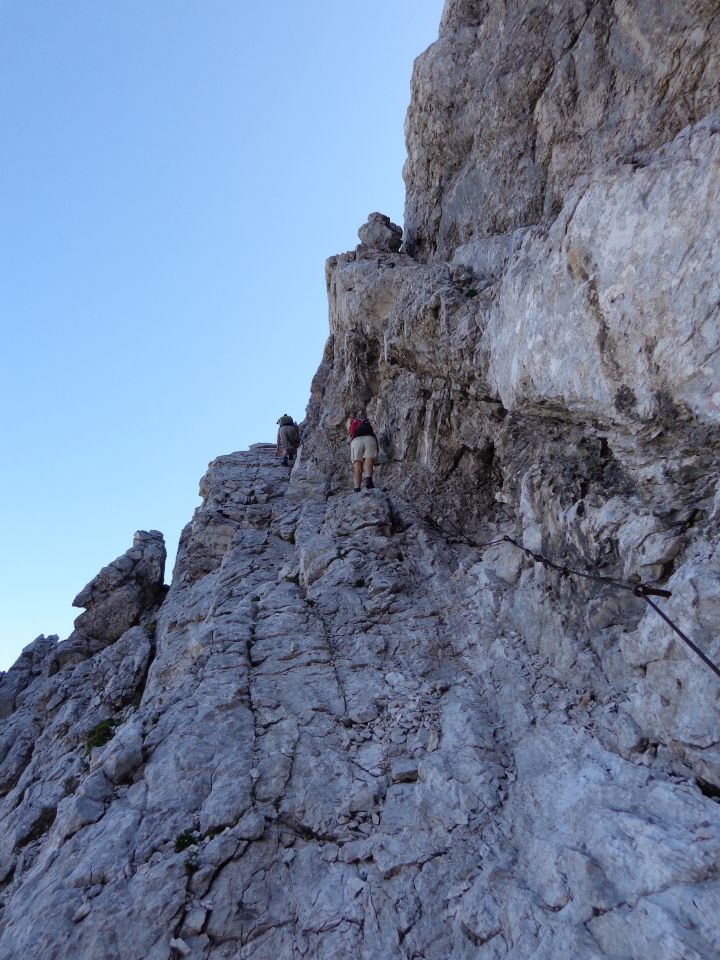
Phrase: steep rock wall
[559,377]
[518,101]
[352,728]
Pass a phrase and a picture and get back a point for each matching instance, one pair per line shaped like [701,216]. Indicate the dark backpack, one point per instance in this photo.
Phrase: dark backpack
[360,428]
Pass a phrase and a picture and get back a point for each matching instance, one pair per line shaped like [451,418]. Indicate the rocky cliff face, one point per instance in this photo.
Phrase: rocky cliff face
[357,726]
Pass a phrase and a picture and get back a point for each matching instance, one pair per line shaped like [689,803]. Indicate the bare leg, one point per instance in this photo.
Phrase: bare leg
[357,473]
[369,464]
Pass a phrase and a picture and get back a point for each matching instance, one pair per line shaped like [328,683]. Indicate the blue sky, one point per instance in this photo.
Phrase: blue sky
[173,175]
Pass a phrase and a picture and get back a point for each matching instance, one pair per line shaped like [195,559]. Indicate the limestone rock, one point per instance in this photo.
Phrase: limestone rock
[514,104]
[26,668]
[124,754]
[379,234]
[122,591]
[371,726]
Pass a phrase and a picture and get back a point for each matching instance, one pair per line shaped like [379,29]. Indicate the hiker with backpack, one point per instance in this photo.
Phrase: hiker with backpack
[363,450]
[288,439]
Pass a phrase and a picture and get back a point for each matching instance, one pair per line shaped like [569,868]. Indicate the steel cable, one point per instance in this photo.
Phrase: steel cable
[642,590]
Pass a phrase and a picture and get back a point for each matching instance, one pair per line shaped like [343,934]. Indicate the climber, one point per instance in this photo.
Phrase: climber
[288,439]
[363,450]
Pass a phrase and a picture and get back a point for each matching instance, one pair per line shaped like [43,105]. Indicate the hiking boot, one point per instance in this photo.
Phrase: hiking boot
[369,485]
[284,461]
[356,489]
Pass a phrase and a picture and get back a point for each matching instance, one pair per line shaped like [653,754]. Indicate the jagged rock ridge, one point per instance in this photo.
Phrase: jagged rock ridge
[350,729]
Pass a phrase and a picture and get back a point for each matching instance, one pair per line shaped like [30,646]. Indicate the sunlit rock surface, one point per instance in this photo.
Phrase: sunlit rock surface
[365,725]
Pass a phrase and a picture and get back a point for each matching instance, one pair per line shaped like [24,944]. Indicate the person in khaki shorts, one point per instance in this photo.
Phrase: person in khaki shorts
[288,439]
[363,450]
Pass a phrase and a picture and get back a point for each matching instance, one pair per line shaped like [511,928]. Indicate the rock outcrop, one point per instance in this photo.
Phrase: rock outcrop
[367,725]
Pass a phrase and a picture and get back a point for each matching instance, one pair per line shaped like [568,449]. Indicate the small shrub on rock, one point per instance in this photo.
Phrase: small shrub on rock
[99,735]
[184,840]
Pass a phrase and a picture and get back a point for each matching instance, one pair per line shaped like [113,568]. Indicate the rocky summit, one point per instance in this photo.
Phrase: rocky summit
[392,724]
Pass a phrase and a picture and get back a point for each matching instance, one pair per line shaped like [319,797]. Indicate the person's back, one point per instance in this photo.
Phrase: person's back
[363,450]
[288,438]
[360,427]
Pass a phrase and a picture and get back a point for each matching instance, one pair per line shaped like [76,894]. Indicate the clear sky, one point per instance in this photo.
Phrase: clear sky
[173,174]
